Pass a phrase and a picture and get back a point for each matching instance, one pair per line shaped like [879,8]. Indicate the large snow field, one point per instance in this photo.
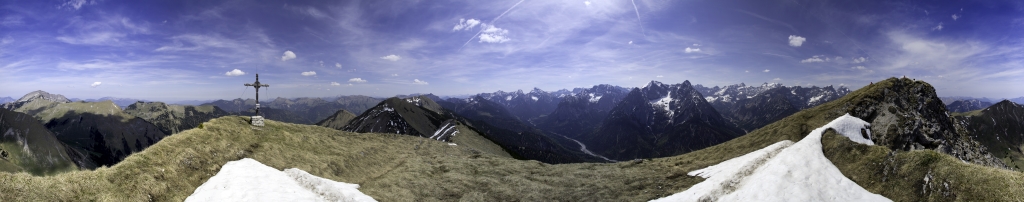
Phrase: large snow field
[783,171]
[250,180]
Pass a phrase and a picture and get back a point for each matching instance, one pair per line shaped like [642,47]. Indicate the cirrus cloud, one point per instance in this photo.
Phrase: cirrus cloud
[94,84]
[691,50]
[335,84]
[309,73]
[420,82]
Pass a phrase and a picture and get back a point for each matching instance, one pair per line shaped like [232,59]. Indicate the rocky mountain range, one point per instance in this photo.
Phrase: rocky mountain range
[660,120]
[527,106]
[581,112]
[298,110]
[5,100]
[751,107]
[967,105]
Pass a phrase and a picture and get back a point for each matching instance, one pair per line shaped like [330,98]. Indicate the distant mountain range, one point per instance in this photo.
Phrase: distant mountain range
[5,100]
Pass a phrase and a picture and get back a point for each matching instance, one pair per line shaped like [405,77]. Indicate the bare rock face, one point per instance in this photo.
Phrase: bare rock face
[907,115]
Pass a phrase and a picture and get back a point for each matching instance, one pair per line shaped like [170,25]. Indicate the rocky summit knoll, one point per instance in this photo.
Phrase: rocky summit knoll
[907,115]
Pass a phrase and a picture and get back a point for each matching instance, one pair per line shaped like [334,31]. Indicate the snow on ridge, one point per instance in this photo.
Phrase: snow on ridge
[815,98]
[664,103]
[250,180]
[534,98]
[783,171]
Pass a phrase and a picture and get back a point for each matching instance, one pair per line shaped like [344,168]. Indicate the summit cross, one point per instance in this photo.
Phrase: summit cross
[257,120]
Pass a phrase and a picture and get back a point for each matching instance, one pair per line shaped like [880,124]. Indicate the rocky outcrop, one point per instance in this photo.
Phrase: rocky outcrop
[907,115]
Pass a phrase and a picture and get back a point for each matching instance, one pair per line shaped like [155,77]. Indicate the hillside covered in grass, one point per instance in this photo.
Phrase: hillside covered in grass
[392,167]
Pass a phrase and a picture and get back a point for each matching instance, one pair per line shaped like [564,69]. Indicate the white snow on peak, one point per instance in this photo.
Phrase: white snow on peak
[815,98]
[508,97]
[783,171]
[534,98]
[250,180]
[415,100]
[664,103]
[593,98]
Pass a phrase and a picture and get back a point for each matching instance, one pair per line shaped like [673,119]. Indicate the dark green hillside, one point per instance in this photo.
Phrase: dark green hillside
[999,127]
[338,120]
[26,146]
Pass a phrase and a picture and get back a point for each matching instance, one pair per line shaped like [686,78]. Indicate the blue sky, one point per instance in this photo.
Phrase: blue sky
[189,50]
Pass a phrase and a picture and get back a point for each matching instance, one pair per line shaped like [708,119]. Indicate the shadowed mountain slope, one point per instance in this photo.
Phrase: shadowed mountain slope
[26,146]
[1000,128]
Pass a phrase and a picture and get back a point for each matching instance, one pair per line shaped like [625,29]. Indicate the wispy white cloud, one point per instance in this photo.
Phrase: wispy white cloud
[691,50]
[356,80]
[859,60]
[955,17]
[796,41]
[937,27]
[94,84]
[309,73]
[338,65]
[75,4]
[766,70]
[392,57]
[816,58]
[777,79]
[335,84]
[492,34]
[288,55]
[466,24]
[419,82]
[587,3]
[235,72]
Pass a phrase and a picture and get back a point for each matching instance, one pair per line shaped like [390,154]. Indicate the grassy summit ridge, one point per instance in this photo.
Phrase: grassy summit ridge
[404,168]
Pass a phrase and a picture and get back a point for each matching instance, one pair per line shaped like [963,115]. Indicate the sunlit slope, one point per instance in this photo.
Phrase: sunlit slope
[389,167]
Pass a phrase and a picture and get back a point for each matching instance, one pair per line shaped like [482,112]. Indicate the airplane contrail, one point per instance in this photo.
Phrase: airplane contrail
[642,31]
[492,22]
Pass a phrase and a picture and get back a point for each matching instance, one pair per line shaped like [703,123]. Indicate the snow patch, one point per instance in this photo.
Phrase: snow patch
[783,171]
[664,103]
[815,99]
[250,180]
[508,97]
[534,98]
